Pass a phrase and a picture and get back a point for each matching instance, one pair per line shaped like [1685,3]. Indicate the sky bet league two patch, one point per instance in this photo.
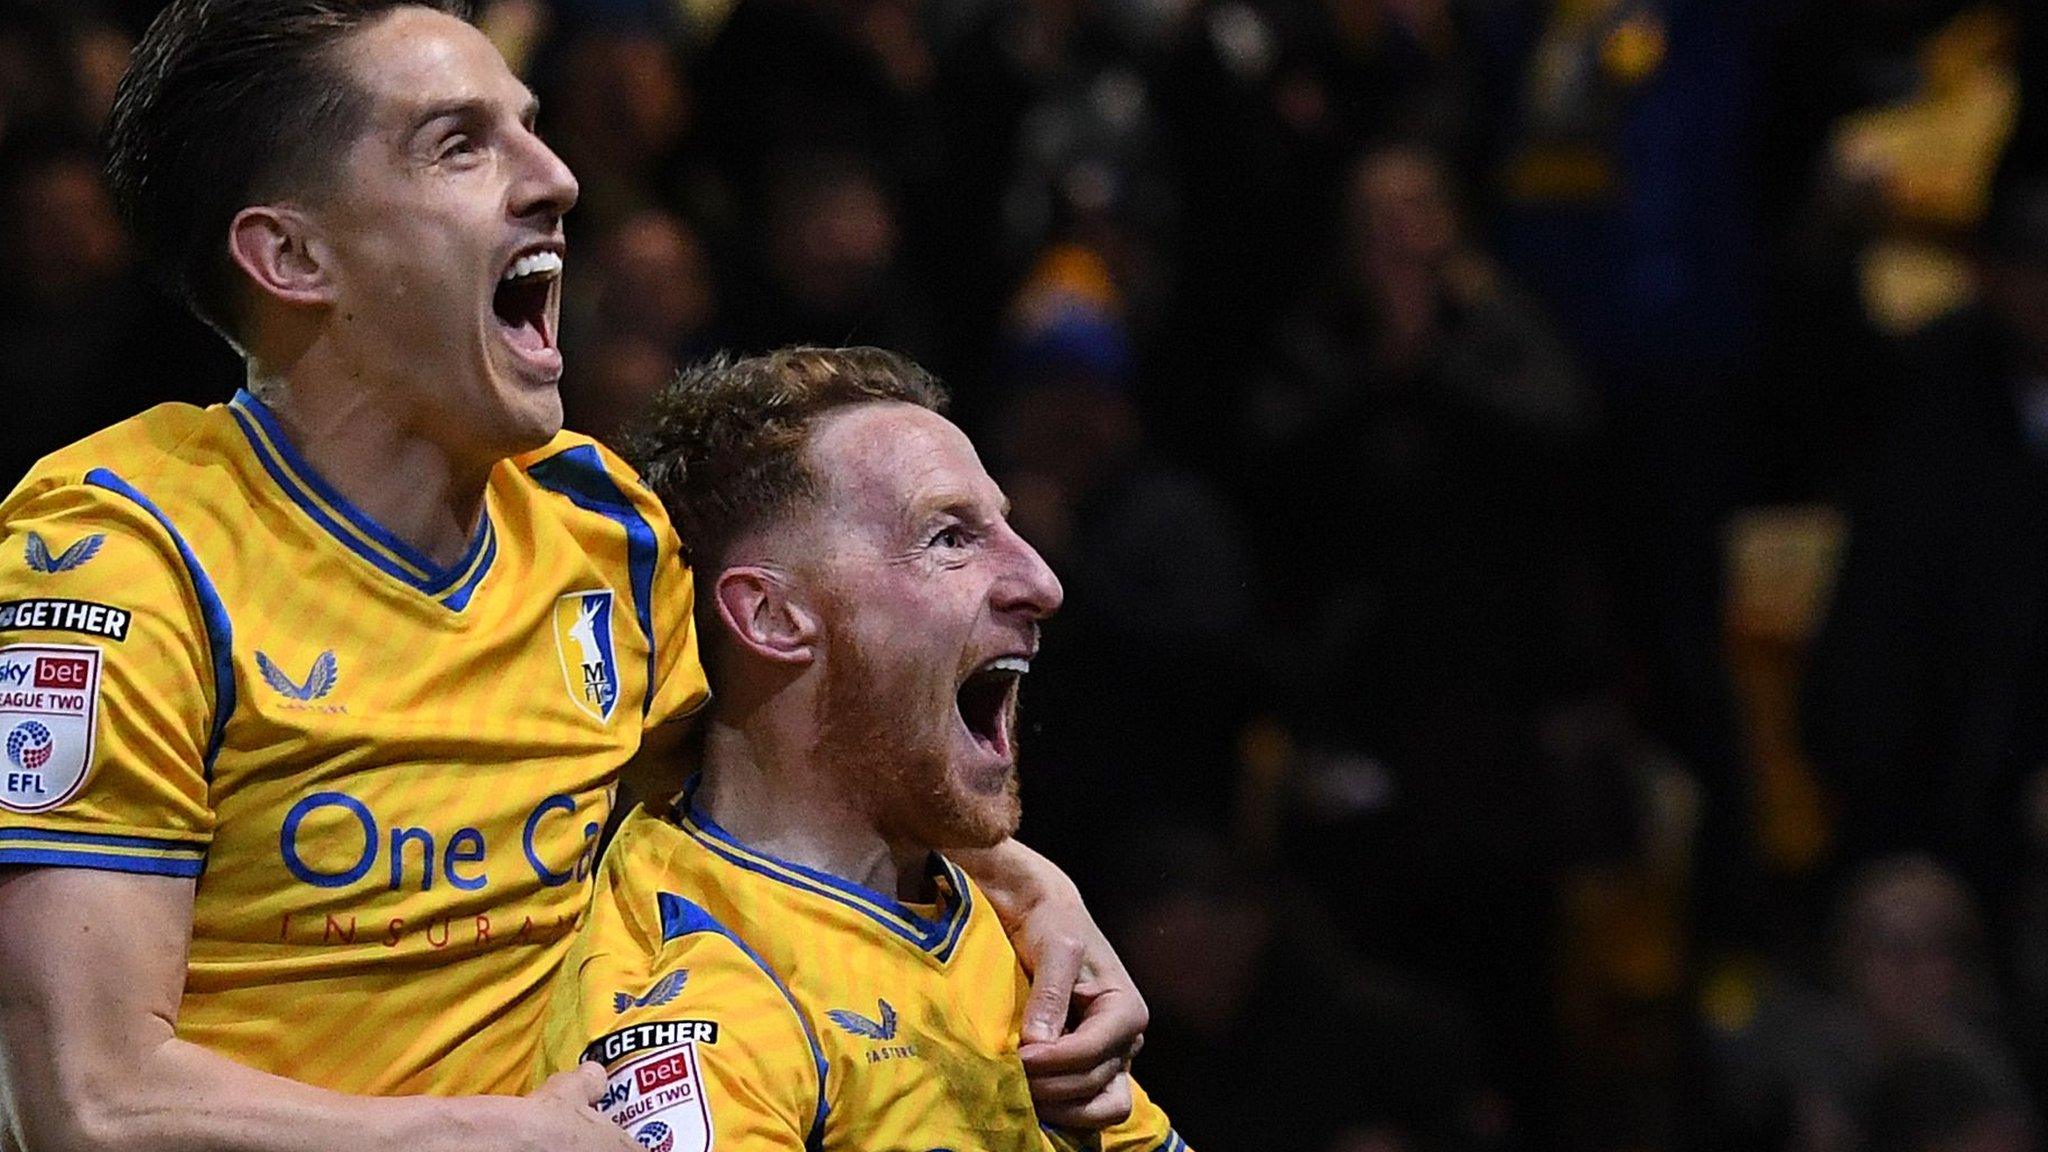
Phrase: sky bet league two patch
[49,706]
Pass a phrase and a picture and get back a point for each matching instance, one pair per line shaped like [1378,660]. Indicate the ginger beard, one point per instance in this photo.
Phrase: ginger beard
[890,735]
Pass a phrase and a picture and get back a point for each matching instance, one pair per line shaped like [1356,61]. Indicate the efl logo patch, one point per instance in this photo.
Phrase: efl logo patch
[658,1098]
[49,703]
[583,637]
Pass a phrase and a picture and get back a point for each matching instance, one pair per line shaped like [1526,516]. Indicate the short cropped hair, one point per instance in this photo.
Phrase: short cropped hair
[724,446]
[227,103]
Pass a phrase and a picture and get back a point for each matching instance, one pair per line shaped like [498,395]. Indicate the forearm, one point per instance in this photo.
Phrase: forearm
[90,1060]
[1016,880]
[183,1098]
[1077,1073]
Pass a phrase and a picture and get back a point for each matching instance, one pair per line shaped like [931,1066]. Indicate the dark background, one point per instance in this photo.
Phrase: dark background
[1553,498]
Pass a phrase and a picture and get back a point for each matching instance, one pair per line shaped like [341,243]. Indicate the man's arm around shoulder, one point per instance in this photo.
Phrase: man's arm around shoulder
[1079,1076]
[89,1057]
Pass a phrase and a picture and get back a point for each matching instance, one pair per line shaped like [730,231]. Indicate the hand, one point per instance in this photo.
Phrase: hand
[560,1116]
[1081,1079]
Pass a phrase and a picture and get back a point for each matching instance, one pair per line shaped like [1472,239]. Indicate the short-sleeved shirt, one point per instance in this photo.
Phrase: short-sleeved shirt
[742,1001]
[387,776]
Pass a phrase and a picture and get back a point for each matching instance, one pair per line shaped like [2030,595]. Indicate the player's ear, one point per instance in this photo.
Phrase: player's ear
[761,611]
[281,252]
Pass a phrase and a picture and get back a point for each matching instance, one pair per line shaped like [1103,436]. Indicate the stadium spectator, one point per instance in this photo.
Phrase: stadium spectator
[1273,980]
[616,97]
[1159,613]
[1911,972]
[830,266]
[649,302]
[83,341]
[1623,208]
[1435,607]
[1923,702]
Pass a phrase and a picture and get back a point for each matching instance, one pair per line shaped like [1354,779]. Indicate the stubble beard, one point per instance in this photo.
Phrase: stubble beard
[893,751]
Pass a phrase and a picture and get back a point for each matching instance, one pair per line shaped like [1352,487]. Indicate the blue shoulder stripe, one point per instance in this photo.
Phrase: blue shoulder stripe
[680,917]
[220,631]
[96,840]
[579,475]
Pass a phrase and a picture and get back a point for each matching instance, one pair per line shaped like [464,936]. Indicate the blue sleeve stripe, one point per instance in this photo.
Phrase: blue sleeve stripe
[579,475]
[220,632]
[680,917]
[137,865]
[95,840]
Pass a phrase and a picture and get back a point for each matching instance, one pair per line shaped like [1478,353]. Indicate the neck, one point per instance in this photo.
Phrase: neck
[415,487]
[762,783]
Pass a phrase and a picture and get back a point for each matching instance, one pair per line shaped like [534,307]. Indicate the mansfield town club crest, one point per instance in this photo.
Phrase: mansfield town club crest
[583,636]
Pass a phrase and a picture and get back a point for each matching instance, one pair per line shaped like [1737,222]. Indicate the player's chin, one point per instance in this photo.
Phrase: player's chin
[986,807]
[531,411]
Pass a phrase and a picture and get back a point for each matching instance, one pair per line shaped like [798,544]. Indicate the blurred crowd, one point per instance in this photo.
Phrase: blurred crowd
[1552,495]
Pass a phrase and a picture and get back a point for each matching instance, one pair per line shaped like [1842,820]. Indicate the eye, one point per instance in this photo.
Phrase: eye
[459,145]
[951,536]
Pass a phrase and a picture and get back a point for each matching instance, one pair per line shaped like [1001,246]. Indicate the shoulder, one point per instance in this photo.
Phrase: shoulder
[695,1033]
[169,444]
[594,490]
[648,904]
[589,475]
[151,473]
[117,511]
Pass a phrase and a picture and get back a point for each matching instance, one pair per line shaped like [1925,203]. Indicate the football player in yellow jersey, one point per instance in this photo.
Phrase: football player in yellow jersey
[312,704]
[781,959]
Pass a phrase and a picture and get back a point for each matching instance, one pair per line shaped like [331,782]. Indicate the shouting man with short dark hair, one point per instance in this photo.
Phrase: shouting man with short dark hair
[313,704]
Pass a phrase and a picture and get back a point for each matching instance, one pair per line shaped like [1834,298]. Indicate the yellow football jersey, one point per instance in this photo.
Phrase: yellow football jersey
[386,776]
[744,1001]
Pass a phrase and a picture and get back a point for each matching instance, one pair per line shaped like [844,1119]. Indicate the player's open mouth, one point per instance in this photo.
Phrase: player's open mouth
[523,302]
[987,703]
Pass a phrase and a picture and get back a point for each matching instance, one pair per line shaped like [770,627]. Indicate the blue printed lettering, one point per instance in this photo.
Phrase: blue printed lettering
[586,862]
[400,837]
[548,876]
[463,856]
[465,847]
[288,839]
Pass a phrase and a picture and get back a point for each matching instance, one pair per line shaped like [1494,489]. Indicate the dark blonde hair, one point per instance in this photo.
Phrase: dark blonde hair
[724,445]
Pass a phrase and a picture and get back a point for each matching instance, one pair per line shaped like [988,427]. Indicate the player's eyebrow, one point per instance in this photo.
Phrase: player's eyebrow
[955,504]
[472,108]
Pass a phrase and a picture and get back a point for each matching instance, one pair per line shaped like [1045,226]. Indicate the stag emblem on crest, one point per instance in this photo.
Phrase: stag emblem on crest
[583,638]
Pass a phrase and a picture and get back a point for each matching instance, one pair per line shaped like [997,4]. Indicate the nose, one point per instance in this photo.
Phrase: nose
[1028,586]
[546,187]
